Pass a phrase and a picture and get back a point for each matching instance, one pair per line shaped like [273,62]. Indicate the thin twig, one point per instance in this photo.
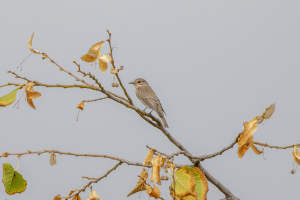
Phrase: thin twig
[95,181]
[113,64]
[276,147]
[94,100]
[219,152]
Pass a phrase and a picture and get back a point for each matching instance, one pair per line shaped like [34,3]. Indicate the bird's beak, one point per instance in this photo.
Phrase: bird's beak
[130,83]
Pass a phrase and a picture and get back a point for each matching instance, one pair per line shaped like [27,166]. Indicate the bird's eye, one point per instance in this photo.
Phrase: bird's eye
[139,81]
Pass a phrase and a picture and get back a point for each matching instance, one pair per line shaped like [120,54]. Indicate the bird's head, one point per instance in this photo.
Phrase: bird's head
[139,82]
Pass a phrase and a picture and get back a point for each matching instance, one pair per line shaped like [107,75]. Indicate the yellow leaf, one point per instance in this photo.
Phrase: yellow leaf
[81,105]
[296,155]
[9,98]
[185,183]
[249,129]
[242,149]
[53,162]
[269,111]
[30,94]
[141,185]
[93,196]
[148,158]
[103,60]
[93,53]
[256,150]
[30,45]
[156,170]
[155,192]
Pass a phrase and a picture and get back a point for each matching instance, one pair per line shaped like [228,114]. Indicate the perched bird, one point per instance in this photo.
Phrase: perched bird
[148,97]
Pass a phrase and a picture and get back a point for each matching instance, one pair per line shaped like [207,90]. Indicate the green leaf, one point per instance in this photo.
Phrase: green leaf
[9,98]
[13,181]
[184,183]
[201,187]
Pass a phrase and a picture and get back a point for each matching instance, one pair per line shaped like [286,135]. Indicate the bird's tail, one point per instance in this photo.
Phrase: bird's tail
[164,122]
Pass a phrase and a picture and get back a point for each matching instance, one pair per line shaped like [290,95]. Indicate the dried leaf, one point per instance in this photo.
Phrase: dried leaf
[260,119]
[140,185]
[269,111]
[81,105]
[30,94]
[156,170]
[76,197]
[103,60]
[164,160]
[30,45]
[93,53]
[148,158]
[33,94]
[93,196]
[13,181]
[242,150]
[296,155]
[256,150]
[53,162]
[114,70]
[155,192]
[57,197]
[249,129]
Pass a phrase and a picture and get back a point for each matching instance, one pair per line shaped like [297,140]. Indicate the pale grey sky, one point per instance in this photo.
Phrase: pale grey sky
[213,65]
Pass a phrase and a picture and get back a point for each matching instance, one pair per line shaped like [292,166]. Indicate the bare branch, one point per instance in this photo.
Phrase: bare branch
[95,99]
[95,181]
[276,147]
[113,64]
[219,152]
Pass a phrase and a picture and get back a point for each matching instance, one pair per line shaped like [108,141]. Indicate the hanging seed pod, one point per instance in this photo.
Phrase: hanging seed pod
[166,178]
[292,171]
[162,178]
[117,85]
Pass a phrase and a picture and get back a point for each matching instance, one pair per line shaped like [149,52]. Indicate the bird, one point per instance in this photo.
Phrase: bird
[148,97]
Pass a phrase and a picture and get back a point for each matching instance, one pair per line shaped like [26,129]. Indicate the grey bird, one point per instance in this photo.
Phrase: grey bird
[148,97]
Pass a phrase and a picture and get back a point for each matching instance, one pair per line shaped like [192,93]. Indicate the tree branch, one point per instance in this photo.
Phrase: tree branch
[219,152]
[113,64]
[95,181]
[276,147]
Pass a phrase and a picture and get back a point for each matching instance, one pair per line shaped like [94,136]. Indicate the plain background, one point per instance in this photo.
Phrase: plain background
[213,65]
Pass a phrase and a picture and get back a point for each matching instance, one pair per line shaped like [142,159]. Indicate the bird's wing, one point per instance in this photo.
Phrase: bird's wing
[150,98]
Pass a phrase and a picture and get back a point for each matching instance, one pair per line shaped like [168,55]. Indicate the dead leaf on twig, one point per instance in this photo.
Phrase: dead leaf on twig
[93,53]
[156,170]
[140,185]
[30,94]
[103,60]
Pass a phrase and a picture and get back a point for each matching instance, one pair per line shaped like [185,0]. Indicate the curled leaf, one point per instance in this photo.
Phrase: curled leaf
[57,197]
[103,60]
[256,150]
[155,192]
[141,184]
[93,196]
[242,149]
[148,158]
[156,170]
[53,161]
[296,155]
[30,45]
[269,111]
[249,129]
[93,53]
[30,94]
[81,105]
[76,197]
[114,70]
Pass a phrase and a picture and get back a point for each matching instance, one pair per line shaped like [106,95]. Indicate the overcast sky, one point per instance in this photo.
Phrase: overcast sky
[213,65]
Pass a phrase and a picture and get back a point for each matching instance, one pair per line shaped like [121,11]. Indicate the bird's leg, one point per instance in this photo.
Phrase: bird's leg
[145,109]
[150,112]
